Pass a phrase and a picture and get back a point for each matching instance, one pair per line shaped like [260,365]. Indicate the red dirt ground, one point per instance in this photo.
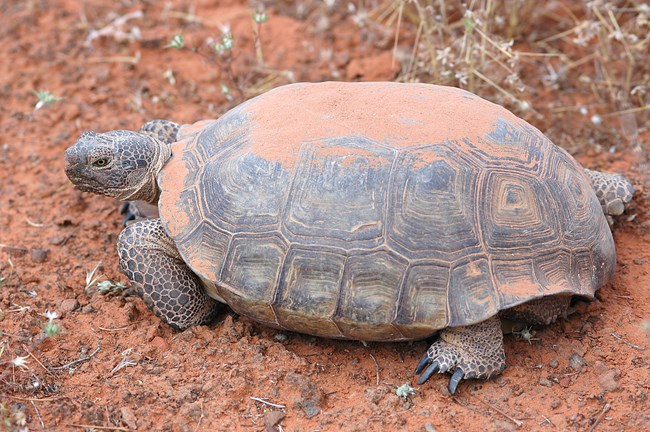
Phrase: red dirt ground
[115,366]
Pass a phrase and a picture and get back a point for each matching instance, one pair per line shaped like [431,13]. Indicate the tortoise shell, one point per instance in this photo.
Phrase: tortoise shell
[380,211]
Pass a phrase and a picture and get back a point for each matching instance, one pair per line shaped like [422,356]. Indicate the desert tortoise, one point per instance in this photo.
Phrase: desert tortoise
[371,211]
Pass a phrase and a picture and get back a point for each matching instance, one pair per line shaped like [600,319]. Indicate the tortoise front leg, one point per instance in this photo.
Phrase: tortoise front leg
[149,258]
[474,351]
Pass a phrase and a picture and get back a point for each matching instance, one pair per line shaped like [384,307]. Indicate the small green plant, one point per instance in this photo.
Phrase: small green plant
[109,287]
[50,328]
[404,391]
[177,42]
[45,98]
[226,44]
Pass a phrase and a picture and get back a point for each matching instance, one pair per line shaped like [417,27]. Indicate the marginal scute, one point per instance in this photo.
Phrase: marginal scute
[471,294]
[252,272]
[309,290]
[422,305]
[370,293]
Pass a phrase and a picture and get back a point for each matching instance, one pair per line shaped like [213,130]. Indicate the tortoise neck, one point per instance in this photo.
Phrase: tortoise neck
[148,190]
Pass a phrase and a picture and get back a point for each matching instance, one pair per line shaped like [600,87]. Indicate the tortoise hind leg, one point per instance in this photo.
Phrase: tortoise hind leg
[169,288]
[614,192]
[474,351]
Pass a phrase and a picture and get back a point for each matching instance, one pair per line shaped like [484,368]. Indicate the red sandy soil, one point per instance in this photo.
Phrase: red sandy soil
[115,366]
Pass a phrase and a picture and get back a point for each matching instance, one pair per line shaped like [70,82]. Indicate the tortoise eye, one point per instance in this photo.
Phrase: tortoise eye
[100,162]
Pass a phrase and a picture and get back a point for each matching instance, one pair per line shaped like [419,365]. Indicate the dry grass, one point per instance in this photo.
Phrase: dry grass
[530,56]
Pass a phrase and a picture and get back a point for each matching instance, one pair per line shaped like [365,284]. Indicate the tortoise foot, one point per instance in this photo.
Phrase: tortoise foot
[474,351]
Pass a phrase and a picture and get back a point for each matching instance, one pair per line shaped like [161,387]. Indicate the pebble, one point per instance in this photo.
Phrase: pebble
[607,378]
[58,240]
[576,362]
[88,309]
[545,382]
[69,305]
[39,256]
[310,408]
[272,418]
[554,364]
[128,418]
[428,427]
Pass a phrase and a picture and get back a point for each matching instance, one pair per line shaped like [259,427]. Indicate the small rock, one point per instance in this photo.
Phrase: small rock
[208,387]
[565,382]
[280,337]
[310,396]
[39,256]
[88,309]
[128,418]
[609,380]
[576,362]
[639,261]
[159,344]
[69,305]
[58,240]
[554,364]
[545,382]
[428,427]
[272,418]
[310,408]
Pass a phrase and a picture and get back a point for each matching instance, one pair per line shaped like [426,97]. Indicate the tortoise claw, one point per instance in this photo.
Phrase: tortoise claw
[423,363]
[433,368]
[455,379]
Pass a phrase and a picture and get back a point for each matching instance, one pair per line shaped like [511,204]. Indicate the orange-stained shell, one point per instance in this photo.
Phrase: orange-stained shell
[380,211]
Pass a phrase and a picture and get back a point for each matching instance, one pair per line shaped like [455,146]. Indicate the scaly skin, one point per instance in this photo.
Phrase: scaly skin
[168,287]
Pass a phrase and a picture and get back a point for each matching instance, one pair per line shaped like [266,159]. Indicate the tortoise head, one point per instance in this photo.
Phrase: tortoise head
[120,164]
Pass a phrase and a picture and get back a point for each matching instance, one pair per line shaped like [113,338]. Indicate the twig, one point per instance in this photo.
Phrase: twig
[81,360]
[267,402]
[512,419]
[376,367]
[86,426]
[108,329]
[38,414]
[546,419]
[48,399]
[115,59]
[640,348]
[606,408]
[37,360]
